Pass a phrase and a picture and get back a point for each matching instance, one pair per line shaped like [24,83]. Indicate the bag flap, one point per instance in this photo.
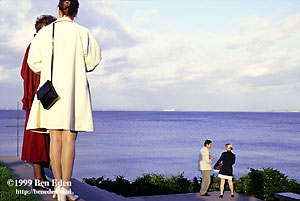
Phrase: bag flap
[43,90]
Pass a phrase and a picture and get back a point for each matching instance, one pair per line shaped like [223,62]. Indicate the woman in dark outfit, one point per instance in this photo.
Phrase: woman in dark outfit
[228,159]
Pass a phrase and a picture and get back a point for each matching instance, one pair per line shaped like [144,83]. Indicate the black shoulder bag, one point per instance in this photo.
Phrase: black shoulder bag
[46,93]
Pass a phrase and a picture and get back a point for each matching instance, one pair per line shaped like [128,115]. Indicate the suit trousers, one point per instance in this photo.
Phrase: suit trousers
[205,181]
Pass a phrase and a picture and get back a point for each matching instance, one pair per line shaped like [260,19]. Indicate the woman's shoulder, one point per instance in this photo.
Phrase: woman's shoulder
[46,29]
[228,153]
[231,154]
[43,34]
[81,28]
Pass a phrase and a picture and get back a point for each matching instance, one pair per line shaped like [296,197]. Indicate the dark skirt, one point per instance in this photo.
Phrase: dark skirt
[35,146]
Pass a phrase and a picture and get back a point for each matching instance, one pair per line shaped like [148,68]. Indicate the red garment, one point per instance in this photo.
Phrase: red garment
[35,145]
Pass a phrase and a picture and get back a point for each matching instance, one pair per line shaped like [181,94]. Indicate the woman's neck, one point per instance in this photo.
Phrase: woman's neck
[61,16]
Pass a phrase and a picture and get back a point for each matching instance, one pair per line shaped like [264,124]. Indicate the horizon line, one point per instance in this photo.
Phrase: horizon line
[173,110]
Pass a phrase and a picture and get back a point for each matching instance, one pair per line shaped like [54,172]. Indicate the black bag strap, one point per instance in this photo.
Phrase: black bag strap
[52,50]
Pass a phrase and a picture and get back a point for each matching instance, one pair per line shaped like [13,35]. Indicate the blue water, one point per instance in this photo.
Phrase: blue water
[132,143]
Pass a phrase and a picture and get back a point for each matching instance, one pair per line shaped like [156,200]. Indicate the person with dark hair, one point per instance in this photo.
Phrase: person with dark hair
[68,8]
[76,52]
[42,21]
[204,165]
[228,159]
[35,147]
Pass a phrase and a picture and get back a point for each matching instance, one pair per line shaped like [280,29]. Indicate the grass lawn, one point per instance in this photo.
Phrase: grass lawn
[11,193]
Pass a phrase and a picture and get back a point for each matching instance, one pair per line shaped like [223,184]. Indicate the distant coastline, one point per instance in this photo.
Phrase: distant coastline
[173,110]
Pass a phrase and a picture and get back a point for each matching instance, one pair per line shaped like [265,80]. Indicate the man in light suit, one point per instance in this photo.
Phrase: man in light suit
[204,163]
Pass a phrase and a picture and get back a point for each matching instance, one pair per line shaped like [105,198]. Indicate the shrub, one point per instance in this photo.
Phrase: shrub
[241,185]
[195,185]
[294,186]
[264,183]
[258,183]
[214,184]
[120,186]
[147,184]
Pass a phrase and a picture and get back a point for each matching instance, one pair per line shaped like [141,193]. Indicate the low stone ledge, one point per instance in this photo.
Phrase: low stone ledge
[287,196]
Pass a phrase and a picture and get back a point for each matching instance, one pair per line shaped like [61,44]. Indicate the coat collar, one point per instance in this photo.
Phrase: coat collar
[63,19]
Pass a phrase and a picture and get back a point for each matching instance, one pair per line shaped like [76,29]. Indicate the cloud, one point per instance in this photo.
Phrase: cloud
[269,51]
[3,75]
[256,59]
[16,32]
[17,27]
[143,17]
[108,28]
[256,34]
[9,75]
[144,68]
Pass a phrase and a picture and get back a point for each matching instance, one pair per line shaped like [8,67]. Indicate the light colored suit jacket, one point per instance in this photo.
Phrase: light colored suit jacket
[204,160]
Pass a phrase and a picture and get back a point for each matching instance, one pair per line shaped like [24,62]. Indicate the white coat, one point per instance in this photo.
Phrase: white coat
[76,52]
[204,162]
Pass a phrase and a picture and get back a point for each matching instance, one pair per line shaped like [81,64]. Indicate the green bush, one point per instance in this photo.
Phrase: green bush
[241,185]
[264,183]
[294,186]
[156,184]
[147,184]
[258,183]
[195,185]
[120,186]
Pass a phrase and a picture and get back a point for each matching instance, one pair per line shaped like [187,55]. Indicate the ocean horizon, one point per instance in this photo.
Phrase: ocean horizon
[130,143]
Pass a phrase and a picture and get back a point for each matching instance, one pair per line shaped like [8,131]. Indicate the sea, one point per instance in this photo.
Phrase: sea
[133,143]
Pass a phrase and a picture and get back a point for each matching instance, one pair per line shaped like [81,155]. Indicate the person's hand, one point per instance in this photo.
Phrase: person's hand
[212,158]
[210,152]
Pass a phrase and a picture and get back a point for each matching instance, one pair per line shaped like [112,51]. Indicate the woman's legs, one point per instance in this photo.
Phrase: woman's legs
[55,154]
[222,186]
[68,155]
[38,171]
[230,186]
[39,175]
[62,154]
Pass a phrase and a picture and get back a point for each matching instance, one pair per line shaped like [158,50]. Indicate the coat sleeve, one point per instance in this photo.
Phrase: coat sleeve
[30,83]
[91,52]
[25,75]
[34,57]
[219,161]
[233,161]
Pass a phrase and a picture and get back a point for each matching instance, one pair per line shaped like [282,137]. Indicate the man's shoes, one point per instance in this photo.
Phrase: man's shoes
[206,194]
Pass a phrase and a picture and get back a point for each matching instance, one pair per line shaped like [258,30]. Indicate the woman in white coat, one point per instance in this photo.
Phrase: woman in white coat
[76,52]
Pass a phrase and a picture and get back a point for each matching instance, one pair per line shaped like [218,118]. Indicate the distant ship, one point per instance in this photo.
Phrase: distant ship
[168,110]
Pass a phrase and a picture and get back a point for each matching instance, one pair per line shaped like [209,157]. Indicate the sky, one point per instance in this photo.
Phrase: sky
[186,55]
